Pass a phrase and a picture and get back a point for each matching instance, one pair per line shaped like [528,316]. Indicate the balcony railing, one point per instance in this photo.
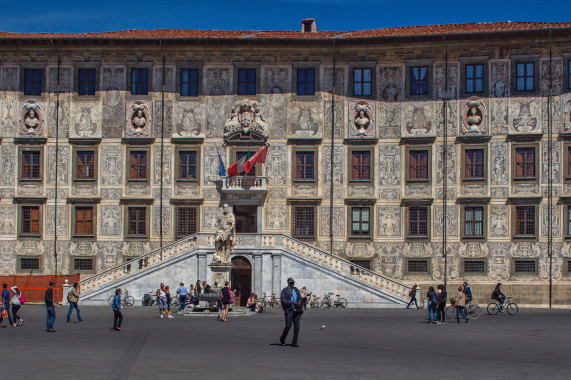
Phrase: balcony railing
[244,183]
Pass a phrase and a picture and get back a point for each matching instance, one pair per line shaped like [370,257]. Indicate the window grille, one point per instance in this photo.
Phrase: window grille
[29,263]
[417,266]
[186,221]
[474,266]
[304,222]
[524,266]
[362,263]
[82,264]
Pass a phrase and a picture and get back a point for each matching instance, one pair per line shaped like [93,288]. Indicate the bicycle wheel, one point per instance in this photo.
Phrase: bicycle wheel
[341,302]
[451,312]
[110,300]
[128,301]
[276,303]
[473,311]
[512,309]
[325,304]
[493,308]
[175,301]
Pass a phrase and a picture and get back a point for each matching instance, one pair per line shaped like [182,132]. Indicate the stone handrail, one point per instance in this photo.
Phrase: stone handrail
[142,262]
[244,182]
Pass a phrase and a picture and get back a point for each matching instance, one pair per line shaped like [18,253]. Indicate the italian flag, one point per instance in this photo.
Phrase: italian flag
[246,163]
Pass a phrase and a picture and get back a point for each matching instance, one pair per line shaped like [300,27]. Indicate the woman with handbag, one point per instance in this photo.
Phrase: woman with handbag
[227,299]
[17,301]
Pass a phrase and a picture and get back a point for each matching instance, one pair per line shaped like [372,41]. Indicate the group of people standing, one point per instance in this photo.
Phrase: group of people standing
[436,302]
[16,301]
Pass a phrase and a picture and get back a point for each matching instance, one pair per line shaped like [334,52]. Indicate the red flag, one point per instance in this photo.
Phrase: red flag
[238,166]
[260,157]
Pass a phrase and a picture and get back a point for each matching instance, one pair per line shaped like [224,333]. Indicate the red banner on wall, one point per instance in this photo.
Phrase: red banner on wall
[34,287]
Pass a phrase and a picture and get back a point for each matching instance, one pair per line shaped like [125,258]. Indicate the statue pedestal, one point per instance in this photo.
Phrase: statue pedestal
[219,274]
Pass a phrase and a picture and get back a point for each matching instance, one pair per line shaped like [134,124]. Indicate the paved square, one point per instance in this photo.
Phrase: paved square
[354,344]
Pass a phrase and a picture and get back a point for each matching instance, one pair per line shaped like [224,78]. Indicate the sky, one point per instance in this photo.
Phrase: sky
[339,15]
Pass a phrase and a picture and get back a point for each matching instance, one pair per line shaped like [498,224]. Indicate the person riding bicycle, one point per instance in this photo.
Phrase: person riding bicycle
[499,296]
[467,292]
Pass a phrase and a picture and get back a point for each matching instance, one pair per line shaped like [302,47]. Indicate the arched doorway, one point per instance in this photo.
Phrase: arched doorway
[241,280]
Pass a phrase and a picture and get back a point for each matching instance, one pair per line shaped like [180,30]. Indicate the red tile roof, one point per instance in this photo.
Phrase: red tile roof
[405,31]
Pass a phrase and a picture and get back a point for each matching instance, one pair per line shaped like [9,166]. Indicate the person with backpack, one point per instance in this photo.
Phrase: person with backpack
[6,306]
[17,302]
[460,305]
[499,296]
[73,299]
[412,295]
[117,314]
[441,297]
[468,292]
[432,303]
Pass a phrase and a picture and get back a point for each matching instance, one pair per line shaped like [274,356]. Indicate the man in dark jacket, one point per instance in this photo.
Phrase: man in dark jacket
[51,307]
[291,303]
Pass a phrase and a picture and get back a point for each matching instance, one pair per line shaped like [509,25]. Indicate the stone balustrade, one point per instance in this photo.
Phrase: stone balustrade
[241,183]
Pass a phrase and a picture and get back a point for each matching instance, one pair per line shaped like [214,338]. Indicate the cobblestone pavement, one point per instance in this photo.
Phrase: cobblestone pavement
[363,344]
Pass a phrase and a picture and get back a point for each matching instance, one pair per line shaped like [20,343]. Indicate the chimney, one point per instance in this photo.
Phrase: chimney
[308,25]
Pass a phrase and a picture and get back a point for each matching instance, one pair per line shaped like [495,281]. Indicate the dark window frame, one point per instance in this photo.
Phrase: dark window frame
[525,76]
[247,82]
[534,59]
[75,220]
[420,81]
[527,164]
[139,87]
[517,222]
[184,170]
[418,222]
[30,165]
[522,262]
[78,261]
[86,86]
[304,222]
[362,92]
[360,262]
[474,78]
[138,165]
[484,265]
[361,222]
[189,213]
[36,87]
[482,222]
[418,166]
[514,162]
[363,170]
[23,220]
[134,222]
[31,259]
[425,262]
[304,170]
[79,163]
[189,83]
[305,87]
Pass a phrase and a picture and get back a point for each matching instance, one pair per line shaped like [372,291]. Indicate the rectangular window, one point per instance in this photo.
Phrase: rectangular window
[186,221]
[139,81]
[417,266]
[246,81]
[29,263]
[418,221]
[304,222]
[525,221]
[525,163]
[362,263]
[419,80]
[137,221]
[474,266]
[187,165]
[474,79]
[360,222]
[305,82]
[304,165]
[33,82]
[82,264]
[362,82]
[189,82]
[31,220]
[361,165]
[84,221]
[85,165]
[418,164]
[569,221]
[524,266]
[474,163]
[31,165]
[86,82]
[138,163]
[474,222]
[525,76]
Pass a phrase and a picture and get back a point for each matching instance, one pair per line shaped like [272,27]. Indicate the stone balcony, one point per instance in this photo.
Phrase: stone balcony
[241,184]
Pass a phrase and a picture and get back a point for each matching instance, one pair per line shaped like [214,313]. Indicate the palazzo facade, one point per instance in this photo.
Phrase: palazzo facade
[385,146]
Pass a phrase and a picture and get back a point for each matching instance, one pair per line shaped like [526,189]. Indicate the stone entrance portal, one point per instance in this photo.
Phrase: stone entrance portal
[246,219]
[241,280]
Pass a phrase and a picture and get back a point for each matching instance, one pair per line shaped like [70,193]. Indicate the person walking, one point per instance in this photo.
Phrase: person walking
[432,303]
[193,297]
[220,306]
[303,291]
[460,304]
[227,299]
[117,314]
[162,300]
[181,291]
[412,295]
[6,305]
[290,298]
[16,304]
[73,299]
[441,296]
[51,307]
[169,299]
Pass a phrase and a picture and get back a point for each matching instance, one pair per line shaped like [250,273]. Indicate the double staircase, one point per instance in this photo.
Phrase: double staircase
[201,244]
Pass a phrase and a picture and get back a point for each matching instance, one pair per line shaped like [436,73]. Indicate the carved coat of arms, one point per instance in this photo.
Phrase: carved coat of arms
[246,123]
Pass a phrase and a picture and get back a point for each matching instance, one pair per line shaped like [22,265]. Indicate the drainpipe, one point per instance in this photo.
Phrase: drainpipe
[162,147]
[57,162]
[445,169]
[332,153]
[550,176]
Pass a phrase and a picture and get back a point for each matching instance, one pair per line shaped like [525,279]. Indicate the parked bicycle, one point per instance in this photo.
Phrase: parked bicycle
[328,302]
[509,306]
[270,301]
[313,301]
[149,299]
[126,300]
[472,310]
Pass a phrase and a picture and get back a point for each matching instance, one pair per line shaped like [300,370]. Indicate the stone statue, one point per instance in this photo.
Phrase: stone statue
[31,121]
[362,120]
[225,235]
[139,120]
